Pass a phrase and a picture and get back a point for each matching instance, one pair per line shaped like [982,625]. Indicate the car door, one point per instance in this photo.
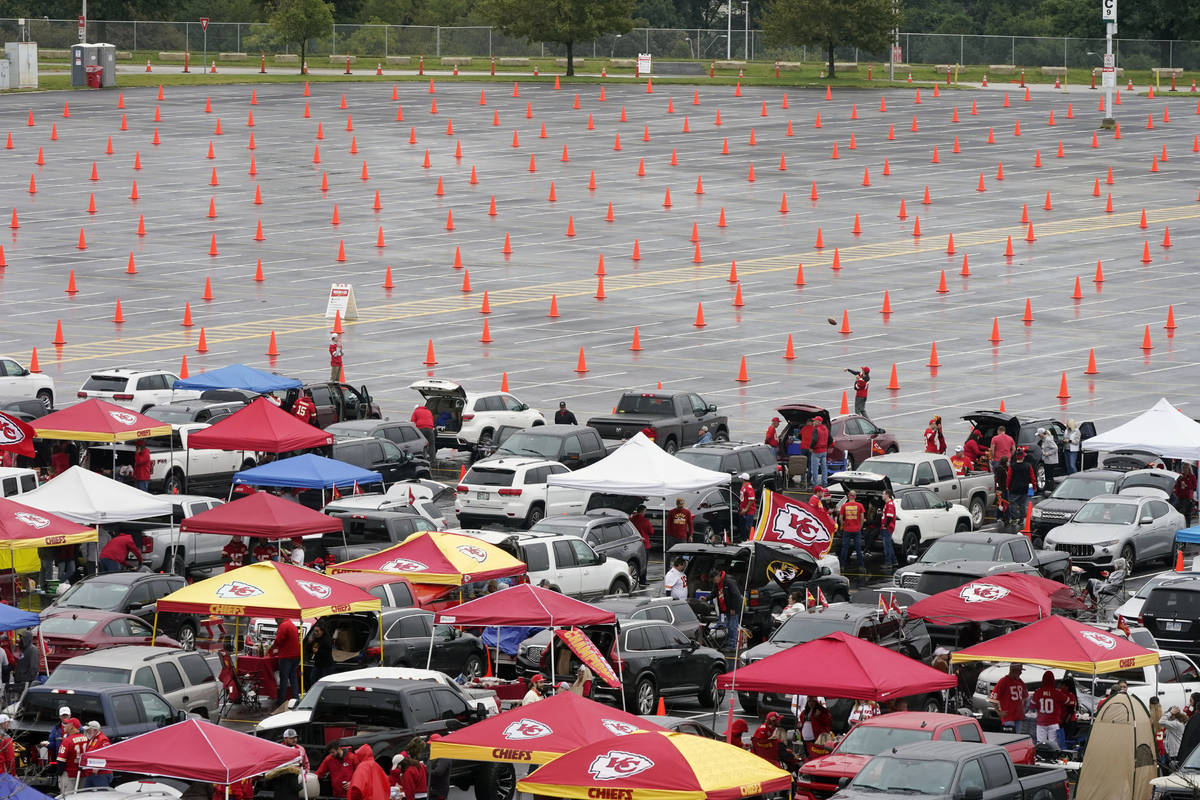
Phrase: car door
[945,483]
[562,499]
[407,640]
[693,668]
[125,631]
[385,459]
[140,601]
[566,571]
[940,519]
[1187,680]
[593,580]
[665,661]
[127,718]
[173,687]
[11,381]
[156,712]
[914,510]
[1164,531]
[848,437]
[510,413]
[328,405]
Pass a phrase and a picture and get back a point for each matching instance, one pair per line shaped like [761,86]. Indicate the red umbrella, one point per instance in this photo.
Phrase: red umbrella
[1060,642]
[527,606]
[838,665]
[539,732]
[261,515]
[261,426]
[194,751]
[1009,596]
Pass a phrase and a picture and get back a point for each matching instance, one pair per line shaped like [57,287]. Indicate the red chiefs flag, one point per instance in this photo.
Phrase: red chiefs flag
[798,524]
[16,436]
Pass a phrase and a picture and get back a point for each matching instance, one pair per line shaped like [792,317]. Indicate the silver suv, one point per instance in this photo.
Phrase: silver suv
[184,678]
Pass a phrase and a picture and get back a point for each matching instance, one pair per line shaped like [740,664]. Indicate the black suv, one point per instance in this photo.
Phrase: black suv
[401,433]
[135,593]
[381,456]
[1172,615]
[778,569]
[407,633]
[905,636]
[654,660]
[759,461]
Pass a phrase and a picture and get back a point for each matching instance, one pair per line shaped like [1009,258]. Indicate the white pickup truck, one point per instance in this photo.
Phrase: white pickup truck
[175,469]
[934,472]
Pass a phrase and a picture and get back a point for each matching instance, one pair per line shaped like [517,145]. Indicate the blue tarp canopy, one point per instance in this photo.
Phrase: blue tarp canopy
[1191,535]
[307,472]
[13,789]
[238,376]
[12,619]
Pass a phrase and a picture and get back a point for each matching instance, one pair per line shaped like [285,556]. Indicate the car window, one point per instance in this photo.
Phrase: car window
[374,451]
[510,403]
[536,475]
[946,735]
[970,733]
[9,368]
[851,427]
[535,556]
[868,428]
[944,473]
[699,407]
[415,626]
[147,383]
[564,554]
[584,555]
[662,613]
[674,638]
[117,628]
[636,640]
[144,677]
[995,767]
[490,403]
[747,462]
[971,776]
[140,596]
[423,707]
[1004,553]
[125,709]
[392,433]
[1158,508]
[321,395]
[1166,671]
[157,711]
[556,469]
[656,637]
[1021,551]
[196,670]
[169,675]
[913,501]
[450,705]
[401,594]
[1187,670]
[572,447]
[139,628]
[924,473]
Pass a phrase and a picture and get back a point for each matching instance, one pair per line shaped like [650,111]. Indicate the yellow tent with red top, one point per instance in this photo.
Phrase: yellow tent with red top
[438,557]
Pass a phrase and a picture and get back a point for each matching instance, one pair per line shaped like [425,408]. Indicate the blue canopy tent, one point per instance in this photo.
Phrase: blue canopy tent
[12,619]
[238,376]
[13,789]
[308,471]
[1188,535]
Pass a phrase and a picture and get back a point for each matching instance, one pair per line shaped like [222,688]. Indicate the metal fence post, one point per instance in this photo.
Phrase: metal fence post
[438,36]
[961,52]
[1013,57]
[333,41]
[490,54]
[1171,54]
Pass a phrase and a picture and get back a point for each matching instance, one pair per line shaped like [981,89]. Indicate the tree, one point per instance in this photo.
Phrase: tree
[301,20]
[561,21]
[866,24]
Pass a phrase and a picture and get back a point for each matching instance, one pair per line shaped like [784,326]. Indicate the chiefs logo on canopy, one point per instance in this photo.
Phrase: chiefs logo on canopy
[473,552]
[619,728]
[237,590]
[617,764]
[982,592]
[1099,639]
[320,591]
[124,417]
[32,520]
[526,728]
[404,565]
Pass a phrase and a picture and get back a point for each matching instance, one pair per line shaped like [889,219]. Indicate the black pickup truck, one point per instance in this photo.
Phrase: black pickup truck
[387,714]
[1001,548]
[675,418]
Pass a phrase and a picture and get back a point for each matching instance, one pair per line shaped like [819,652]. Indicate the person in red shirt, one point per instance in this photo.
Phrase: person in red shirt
[304,409]
[95,740]
[411,777]
[679,522]
[817,498]
[338,766]
[69,753]
[887,527]
[422,417]
[935,440]
[8,751]
[747,506]
[1184,492]
[1048,703]
[769,742]
[266,550]
[1011,696]
[115,554]
[234,553]
[862,380]
[851,516]
[141,466]
[817,443]
[335,357]
[286,648]
[642,525]
[973,451]
[771,437]
[1002,445]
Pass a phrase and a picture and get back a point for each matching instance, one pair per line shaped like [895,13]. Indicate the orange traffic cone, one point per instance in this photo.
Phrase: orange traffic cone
[1027,317]
[429,357]
[118,316]
[1091,365]
[742,377]
[581,365]
[1179,567]
[933,357]
[894,383]
[699,323]
[202,345]
[789,352]
[1170,318]
[1146,343]
[845,322]
[845,409]
[272,350]
[1063,394]
[187,315]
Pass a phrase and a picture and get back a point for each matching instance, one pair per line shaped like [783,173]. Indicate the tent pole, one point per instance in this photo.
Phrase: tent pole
[236,640]
[429,655]
[154,633]
[301,694]
[381,636]
[553,635]
[620,663]
[664,536]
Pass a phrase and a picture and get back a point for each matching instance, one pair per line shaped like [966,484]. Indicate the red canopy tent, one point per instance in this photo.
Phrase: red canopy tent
[539,732]
[527,606]
[193,750]
[262,516]
[22,526]
[95,420]
[261,426]
[1060,642]
[1008,596]
[838,665]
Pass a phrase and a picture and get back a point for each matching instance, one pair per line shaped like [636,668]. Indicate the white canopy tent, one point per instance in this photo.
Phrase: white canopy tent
[90,498]
[1163,430]
[640,467]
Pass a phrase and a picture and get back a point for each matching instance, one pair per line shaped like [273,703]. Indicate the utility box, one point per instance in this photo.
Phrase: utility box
[83,55]
[22,59]
[4,84]
[106,56]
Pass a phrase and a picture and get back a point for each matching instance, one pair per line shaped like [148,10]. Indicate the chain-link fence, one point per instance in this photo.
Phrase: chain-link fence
[696,44]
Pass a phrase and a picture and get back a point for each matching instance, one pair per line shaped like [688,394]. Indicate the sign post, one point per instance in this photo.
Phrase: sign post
[83,29]
[204,27]
[1108,75]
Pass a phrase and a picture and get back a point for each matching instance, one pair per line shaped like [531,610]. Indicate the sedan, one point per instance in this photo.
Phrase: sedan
[1112,526]
[71,633]
[407,637]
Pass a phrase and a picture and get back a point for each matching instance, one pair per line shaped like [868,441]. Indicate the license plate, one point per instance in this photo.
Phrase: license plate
[1173,626]
[482,495]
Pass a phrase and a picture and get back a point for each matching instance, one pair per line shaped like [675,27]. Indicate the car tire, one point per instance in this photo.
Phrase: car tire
[620,586]
[710,696]
[47,398]
[176,561]
[495,782]
[472,668]
[536,513]
[186,636]
[893,449]
[249,463]
[174,483]
[748,702]
[911,544]
[466,521]
[1130,556]
[485,438]
[722,435]
[963,525]
[977,507]
[932,704]
[670,446]
[635,569]
[645,697]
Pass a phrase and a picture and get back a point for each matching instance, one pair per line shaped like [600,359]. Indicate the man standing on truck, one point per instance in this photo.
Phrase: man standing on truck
[747,507]
[935,440]
[851,517]
[1010,696]
[679,522]
[817,444]
[862,379]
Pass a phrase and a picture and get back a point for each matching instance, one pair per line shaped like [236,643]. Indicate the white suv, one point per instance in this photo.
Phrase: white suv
[135,389]
[18,383]
[512,490]
[565,562]
[466,419]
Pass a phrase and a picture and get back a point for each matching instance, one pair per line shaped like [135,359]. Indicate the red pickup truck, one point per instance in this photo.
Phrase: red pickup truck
[819,777]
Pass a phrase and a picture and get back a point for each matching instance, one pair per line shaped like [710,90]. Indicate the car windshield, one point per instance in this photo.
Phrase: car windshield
[482,476]
[310,698]
[871,740]
[1106,513]
[701,458]
[899,472]
[529,444]
[66,625]
[905,776]
[802,628]
[71,674]
[94,594]
[943,550]
[1078,488]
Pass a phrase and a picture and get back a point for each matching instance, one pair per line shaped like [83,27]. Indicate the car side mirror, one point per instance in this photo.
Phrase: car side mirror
[843,783]
[712,408]
[24,372]
[911,558]
[1145,520]
[480,710]
[1046,493]
[826,571]
[522,407]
